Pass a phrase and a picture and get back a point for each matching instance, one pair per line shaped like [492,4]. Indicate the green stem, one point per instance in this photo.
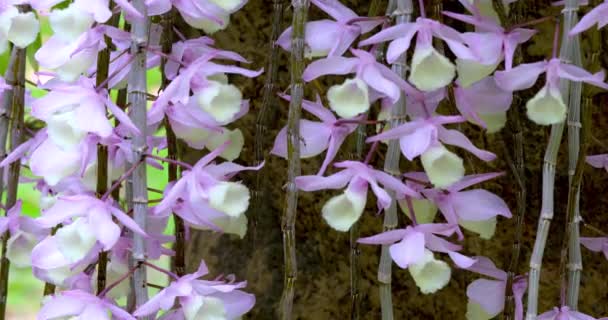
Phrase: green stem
[300,16]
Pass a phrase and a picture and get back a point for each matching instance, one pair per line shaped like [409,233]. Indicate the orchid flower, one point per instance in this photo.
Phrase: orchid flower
[354,96]
[596,244]
[20,28]
[463,207]
[430,70]
[327,37]
[412,248]
[564,313]
[487,297]
[329,134]
[422,136]
[599,161]
[201,299]
[81,304]
[209,15]
[205,190]
[220,101]
[73,110]
[25,233]
[484,103]
[598,15]
[490,44]
[342,211]
[547,106]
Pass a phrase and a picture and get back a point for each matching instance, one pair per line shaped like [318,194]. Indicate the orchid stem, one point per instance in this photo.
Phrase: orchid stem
[103,66]
[137,89]
[403,13]
[264,117]
[16,78]
[547,204]
[421,8]
[300,16]
[122,178]
[159,269]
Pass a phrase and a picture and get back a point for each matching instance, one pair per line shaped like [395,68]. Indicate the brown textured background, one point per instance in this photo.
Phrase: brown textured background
[322,290]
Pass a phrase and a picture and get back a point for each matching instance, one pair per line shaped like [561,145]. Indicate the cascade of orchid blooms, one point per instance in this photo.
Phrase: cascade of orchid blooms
[82,235]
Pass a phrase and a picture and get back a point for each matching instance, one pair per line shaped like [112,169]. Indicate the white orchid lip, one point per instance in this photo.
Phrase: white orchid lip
[62,129]
[430,274]
[229,197]
[546,107]
[425,210]
[22,28]
[204,308]
[342,211]
[75,240]
[19,248]
[233,150]
[470,71]
[476,312]
[69,23]
[77,65]
[349,98]
[485,228]
[494,121]
[430,69]
[209,26]
[442,166]
[221,101]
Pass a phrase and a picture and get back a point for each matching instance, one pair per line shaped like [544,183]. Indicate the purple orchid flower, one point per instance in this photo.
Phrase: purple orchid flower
[205,188]
[564,313]
[430,69]
[547,106]
[408,245]
[221,101]
[341,211]
[417,136]
[598,15]
[484,103]
[25,233]
[331,38]
[81,304]
[596,244]
[490,44]
[487,297]
[353,96]
[470,205]
[211,16]
[599,161]
[201,298]
[329,134]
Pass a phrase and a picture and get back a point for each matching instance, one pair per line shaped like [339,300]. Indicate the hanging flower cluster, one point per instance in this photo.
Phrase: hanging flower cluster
[79,230]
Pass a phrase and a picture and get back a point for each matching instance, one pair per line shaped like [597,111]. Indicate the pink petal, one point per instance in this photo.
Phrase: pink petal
[594,244]
[521,77]
[473,180]
[409,250]
[597,161]
[456,138]
[490,294]
[388,237]
[486,267]
[335,9]
[315,139]
[478,204]
[331,65]
[313,183]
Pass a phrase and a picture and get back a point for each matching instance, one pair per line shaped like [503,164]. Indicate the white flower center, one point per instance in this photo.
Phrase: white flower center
[349,98]
[442,166]
[342,211]
[75,240]
[221,101]
[431,70]
[546,107]
[69,23]
[229,197]
[430,274]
